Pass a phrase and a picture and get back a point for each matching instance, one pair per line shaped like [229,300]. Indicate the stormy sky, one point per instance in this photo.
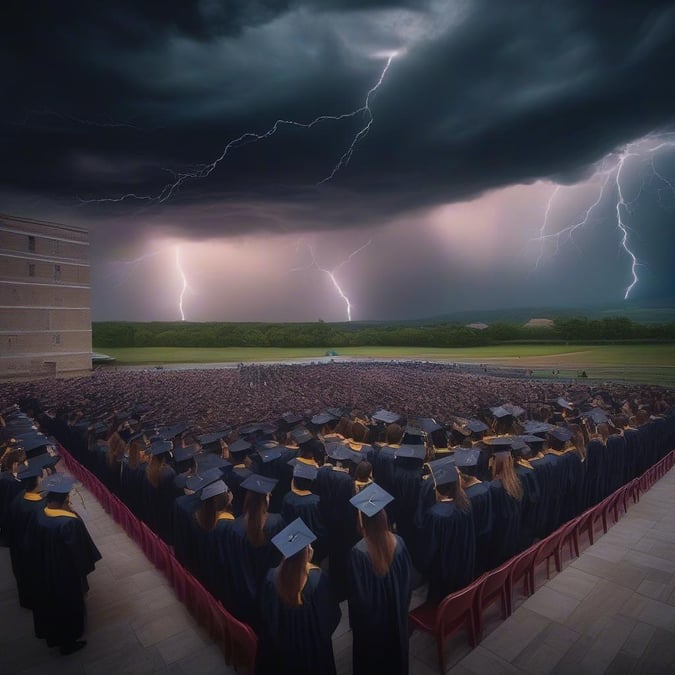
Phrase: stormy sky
[142,121]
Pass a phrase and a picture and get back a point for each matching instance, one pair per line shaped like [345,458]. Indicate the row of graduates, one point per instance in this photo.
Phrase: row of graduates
[51,550]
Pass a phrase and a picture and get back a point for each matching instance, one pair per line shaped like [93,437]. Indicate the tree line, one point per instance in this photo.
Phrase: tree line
[328,335]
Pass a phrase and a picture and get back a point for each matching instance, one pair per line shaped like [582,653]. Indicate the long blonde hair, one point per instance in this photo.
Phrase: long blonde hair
[290,577]
[502,469]
[380,542]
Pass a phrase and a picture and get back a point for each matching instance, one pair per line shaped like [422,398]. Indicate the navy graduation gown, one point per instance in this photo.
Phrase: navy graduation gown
[530,505]
[218,577]
[238,475]
[481,510]
[307,507]
[297,640]
[378,612]
[158,504]
[184,533]
[248,565]
[23,511]
[62,554]
[450,552]
[506,524]
[10,487]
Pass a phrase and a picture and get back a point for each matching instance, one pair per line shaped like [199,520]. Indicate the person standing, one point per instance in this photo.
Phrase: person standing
[298,610]
[61,554]
[380,587]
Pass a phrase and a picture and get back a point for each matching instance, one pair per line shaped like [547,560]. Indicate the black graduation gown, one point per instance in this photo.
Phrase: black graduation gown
[450,549]
[131,486]
[616,458]
[297,640]
[407,482]
[248,565]
[158,504]
[530,505]
[218,577]
[10,487]
[184,536]
[307,507]
[336,488]
[481,510]
[543,470]
[595,454]
[238,475]
[505,525]
[378,612]
[426,499]
[62,554]
[23,511]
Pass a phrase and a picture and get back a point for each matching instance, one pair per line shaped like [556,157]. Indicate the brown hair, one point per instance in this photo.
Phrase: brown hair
[291,576]
[255,515]
[207,512]
[394,434]
[455,490]
[380,542]
[136,449]
[364,471]
[502,469]
[115,450]
[358,432]
[11,457]
[154,469]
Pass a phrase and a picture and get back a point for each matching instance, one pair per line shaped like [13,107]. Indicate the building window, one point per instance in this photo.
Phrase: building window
[57,272]
[56,339]
[31,243]
[31,269]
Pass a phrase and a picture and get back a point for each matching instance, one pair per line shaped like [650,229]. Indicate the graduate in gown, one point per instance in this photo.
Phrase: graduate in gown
[450,540]
[298,610]
[380,586]
[478,494]
[248,550]
[507,496]
[22,512]
[302,503]
[10,486]
[158,492]
[62,554]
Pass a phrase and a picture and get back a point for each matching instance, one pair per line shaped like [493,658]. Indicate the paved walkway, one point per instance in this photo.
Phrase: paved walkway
[610,611]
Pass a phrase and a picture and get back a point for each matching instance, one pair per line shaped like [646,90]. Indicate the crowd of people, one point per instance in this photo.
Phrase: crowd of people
[287,489]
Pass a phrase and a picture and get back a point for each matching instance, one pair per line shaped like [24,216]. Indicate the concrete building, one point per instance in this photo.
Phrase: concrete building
[45,307]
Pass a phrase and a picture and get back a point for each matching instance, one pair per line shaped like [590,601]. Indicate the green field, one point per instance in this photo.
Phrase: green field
[653,363]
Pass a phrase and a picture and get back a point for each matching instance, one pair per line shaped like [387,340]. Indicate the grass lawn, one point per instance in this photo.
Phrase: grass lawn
[640,363]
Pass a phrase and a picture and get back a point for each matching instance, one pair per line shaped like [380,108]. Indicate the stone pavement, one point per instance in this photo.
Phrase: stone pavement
[610,611]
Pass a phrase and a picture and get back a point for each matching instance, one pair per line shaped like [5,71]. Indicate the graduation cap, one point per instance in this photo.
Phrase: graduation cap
[386,416]
[475,426]
[500,445]
[260,484]
[202,479]
[135,437]
[290,419]
[57,482]
[411,451]
[240,445]
[302,470]
[208,439]
[186,453]
[268,451]
[210,460]
[293,538]
[249,428]
[529,438]
[323,418]
[443,471]
[561,434]
[412,435]
[533,427]
[301,435]
[34,441]
[514,410]
[466,457]
[99,428]
[338,451]
[33,469]
[500,411]
[371,500]
[598,415]
[160,447]
[268,429]
[428,425]
[564,403]
[218,487]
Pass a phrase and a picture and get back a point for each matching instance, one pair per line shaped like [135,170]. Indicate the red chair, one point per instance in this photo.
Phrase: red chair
[494,586]
[570,535]
[549,548]
[453,612]
[611,504]
[239,644]
[523,568]
[588,519]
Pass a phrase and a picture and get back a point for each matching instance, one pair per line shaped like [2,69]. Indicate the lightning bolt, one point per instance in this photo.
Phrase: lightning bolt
[612,168]
[202,171]
[184,288]
[331,273]
[125,266]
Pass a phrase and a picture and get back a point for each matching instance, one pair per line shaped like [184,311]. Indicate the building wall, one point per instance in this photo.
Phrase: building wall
[45,306]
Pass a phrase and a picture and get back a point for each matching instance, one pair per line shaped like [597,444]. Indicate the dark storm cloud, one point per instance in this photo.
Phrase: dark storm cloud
[105,98]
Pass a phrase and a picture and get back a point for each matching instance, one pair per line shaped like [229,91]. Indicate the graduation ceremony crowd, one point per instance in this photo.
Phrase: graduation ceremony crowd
[287,489]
